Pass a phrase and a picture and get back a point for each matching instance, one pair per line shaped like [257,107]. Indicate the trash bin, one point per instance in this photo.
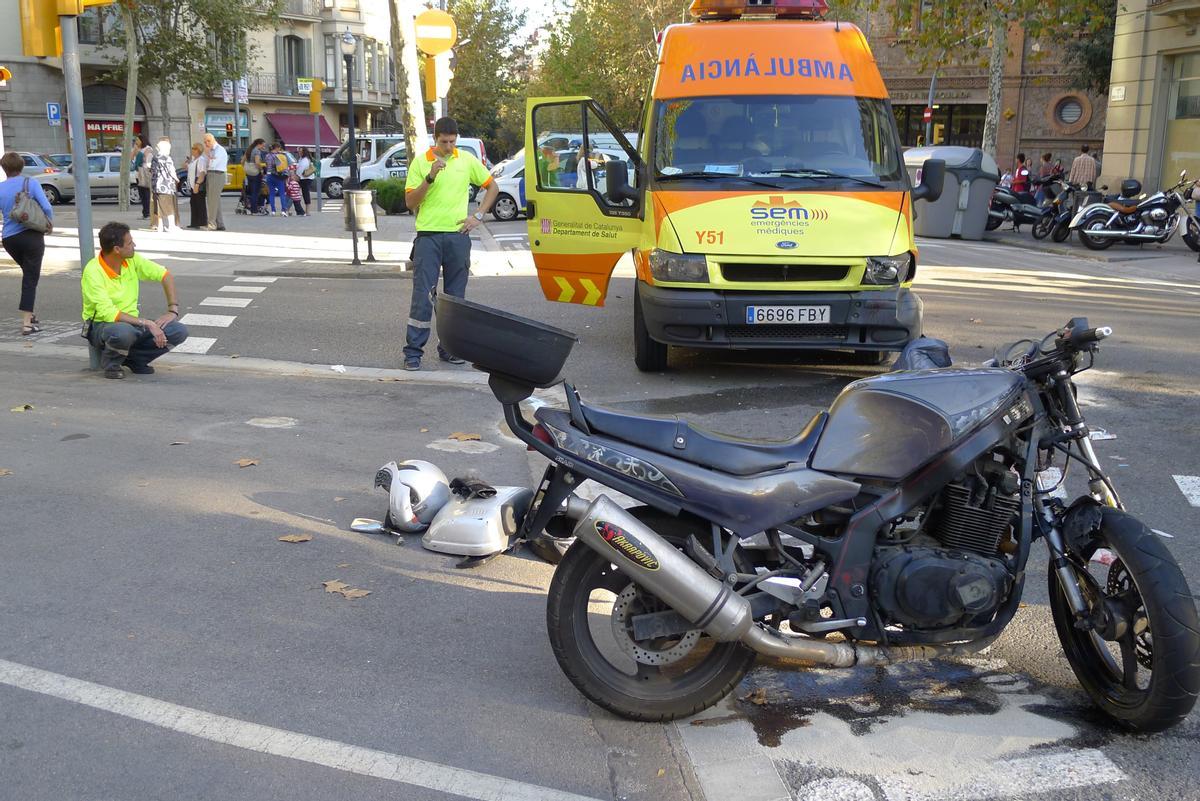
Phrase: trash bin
[962,213]
[359,210]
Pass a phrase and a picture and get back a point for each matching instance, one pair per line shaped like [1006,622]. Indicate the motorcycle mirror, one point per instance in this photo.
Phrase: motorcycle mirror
[365,525]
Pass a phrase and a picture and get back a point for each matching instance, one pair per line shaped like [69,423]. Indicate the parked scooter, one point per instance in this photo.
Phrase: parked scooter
[1019,208]
[1057,224]
[1133,218]
[902,519]
[1191,231]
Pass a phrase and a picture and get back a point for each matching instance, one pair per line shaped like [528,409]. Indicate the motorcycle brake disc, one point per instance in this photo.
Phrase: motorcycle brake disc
[624,608]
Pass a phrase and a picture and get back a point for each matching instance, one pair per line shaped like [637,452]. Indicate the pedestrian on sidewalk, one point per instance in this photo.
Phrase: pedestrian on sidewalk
[277,165]
[1084,170]
[306,170]
[24,244]
[141,172]
[294,193]
[1045,173]
[253,162]
[110,285]
[437,190]
[196,166]
[218,165]
[1020,181]
[164,180]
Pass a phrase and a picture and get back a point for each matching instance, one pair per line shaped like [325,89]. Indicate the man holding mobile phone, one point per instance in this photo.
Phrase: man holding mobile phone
[437,190]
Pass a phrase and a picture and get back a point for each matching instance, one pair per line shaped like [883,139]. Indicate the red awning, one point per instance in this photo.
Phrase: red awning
[296,130]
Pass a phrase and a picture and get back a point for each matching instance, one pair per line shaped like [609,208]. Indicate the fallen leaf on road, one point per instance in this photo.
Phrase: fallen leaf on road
[975,320]
[338,500]
[335,586]
[233,355]
[246,462]
[24,407]
[424,430]
[295,538]
[662,772]
[345,590]
[352,594]
[758,697]
[181,442]
[143,483]
[344,564]
[462,437]
[4,471]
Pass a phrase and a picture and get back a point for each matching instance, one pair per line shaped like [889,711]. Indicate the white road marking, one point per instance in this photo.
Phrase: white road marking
[234,303]
[254,279]
[1016,777]
[469,446]
[272,422]
[1190,487]
[210,320]
[195,345]
[279,742]
[254,289]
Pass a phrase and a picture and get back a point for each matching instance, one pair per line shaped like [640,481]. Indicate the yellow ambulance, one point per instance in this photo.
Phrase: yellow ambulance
[766,204]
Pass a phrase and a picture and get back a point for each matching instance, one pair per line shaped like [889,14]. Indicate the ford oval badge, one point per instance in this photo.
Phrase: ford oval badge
[785,244]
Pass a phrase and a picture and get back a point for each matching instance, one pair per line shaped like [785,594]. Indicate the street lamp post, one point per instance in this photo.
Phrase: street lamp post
[349,46]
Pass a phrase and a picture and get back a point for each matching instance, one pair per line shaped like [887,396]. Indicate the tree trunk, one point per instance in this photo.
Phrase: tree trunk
[991,122]
[408,82]
[131,82]
[163,92]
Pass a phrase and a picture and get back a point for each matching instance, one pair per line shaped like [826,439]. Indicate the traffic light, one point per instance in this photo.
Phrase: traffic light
[437,76]
[229,129]
[4,75]
[314,97]
[40,33]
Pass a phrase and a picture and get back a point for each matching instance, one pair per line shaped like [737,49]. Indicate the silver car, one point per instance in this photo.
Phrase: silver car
[58,185]
[104,171]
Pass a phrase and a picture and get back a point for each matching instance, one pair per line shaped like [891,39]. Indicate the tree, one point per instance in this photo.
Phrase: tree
[190,46]
[486,70]
[131,87]
[408,83]
[1090,57]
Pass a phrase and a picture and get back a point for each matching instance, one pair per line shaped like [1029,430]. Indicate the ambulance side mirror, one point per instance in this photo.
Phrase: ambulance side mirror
[616,182]
[933,176]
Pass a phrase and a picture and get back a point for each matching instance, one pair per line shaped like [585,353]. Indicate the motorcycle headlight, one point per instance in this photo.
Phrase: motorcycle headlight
[667,266]
[888,269]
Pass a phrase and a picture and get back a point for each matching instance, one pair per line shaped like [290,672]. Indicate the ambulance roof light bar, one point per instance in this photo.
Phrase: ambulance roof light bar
[778,9]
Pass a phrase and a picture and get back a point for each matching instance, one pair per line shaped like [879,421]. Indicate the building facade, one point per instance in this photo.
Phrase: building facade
[1154,94]
[1040,112]
[301,46]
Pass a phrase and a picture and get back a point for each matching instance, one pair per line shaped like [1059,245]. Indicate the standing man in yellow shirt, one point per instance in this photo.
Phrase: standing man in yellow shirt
[437,189]
[110,306]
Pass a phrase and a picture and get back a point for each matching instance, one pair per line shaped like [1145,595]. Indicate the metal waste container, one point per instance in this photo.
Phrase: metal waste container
[358,206]
[962,210]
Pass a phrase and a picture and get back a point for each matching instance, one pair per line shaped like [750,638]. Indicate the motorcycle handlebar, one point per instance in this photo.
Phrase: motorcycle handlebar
[1080,337]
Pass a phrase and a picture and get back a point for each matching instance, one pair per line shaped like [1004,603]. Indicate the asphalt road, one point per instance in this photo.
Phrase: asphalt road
[154,569]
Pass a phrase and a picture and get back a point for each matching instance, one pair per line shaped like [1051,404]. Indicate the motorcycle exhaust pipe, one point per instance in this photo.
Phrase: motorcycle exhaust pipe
[1102,234]
[655,565]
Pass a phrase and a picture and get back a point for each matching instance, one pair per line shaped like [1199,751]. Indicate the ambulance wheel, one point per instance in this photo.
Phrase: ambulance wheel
[649,355]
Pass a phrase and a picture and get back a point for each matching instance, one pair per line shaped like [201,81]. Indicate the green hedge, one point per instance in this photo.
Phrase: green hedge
[389,194]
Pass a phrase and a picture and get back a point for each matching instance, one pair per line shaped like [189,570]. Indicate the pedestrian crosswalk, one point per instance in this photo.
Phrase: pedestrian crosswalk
[234,296]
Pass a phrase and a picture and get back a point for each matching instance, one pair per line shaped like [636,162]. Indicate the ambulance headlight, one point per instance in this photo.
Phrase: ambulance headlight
[668,266]
[888,269]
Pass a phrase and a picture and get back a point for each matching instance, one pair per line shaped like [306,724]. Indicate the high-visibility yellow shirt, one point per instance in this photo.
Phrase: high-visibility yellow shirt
[445,205]
[106,292]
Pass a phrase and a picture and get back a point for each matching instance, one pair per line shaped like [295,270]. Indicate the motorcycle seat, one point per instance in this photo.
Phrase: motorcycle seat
[674,437]
[1121,208]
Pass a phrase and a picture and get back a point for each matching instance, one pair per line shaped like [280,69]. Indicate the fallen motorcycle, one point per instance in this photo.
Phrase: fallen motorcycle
[896,526]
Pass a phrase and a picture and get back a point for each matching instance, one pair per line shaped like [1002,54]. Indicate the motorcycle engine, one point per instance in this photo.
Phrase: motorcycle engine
[951,571]
[1155,215]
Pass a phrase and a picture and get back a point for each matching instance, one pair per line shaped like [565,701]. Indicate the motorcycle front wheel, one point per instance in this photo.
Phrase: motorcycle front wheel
[1043,227]
[1140,662]
[1062,232]
[1191,234]
[589,615]
[993,223]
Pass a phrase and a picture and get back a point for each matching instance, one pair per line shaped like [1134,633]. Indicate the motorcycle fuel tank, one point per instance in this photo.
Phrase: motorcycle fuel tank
[889,425]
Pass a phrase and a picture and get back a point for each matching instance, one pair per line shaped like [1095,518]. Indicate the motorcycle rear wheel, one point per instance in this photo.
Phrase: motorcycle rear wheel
[1098,243]
[1043,227]
[697,671]
[1147,680]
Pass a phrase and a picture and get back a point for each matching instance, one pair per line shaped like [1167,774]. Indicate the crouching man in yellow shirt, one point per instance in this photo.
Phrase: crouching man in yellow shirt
[110,304]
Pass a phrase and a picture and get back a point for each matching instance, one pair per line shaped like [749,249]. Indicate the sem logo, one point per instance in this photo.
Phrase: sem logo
[629,545]
[776,208]
[786,244]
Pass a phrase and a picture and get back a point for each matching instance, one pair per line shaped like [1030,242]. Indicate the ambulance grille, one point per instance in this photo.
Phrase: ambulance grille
[784,272]
[836,333]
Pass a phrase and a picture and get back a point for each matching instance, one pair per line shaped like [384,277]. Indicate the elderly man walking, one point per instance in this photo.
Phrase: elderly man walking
[218,164]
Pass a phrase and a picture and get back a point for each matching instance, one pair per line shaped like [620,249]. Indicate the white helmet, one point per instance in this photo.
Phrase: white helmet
[417,491]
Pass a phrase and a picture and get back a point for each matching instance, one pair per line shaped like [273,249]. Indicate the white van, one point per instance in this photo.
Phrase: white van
[374,151]
[394,161]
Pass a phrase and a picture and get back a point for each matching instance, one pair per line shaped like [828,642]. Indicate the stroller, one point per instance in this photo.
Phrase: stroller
[243,204]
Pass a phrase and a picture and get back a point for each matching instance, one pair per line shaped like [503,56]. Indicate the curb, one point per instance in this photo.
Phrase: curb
[355,271]
[1083,253]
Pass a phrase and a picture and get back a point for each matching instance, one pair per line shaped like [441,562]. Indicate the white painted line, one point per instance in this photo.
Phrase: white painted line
[1162,533]
[1190,487]
[194,345]
[279,742]
[1015,777]
[241,289]
[233,303]
[212,320]
[254,279]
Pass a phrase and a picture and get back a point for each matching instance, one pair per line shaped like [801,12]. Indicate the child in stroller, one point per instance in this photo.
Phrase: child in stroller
[243,204]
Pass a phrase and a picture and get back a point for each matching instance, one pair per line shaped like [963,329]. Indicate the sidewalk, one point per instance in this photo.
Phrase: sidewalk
[315,246]
[1176,250]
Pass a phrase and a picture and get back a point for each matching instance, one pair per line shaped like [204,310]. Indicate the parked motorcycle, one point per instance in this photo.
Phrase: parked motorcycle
[901,520]
[1019,208]
[1057,224]
[1132,218]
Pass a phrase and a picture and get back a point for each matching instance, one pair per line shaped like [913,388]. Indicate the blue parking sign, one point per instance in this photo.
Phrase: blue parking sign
[54,113]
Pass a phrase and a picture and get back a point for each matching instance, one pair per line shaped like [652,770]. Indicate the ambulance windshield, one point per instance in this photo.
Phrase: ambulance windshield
[789,140]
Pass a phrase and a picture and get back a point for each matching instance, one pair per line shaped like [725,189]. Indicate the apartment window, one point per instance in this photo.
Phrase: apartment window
[333,61]
[1185,87]
[924,14]
[99,25]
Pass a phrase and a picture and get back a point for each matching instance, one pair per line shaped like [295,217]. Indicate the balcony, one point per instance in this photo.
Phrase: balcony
[306,9]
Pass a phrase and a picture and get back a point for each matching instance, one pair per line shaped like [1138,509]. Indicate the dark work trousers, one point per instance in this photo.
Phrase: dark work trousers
[144,197]
[448,253]
[27,249]
[306,189]
[199,209]
[122,343]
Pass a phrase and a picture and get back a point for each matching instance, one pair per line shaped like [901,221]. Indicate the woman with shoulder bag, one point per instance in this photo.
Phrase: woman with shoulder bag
[27,219]
[165,182]
[253,163]
[140,168]
[197,165]
[144,183]
[306,170]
